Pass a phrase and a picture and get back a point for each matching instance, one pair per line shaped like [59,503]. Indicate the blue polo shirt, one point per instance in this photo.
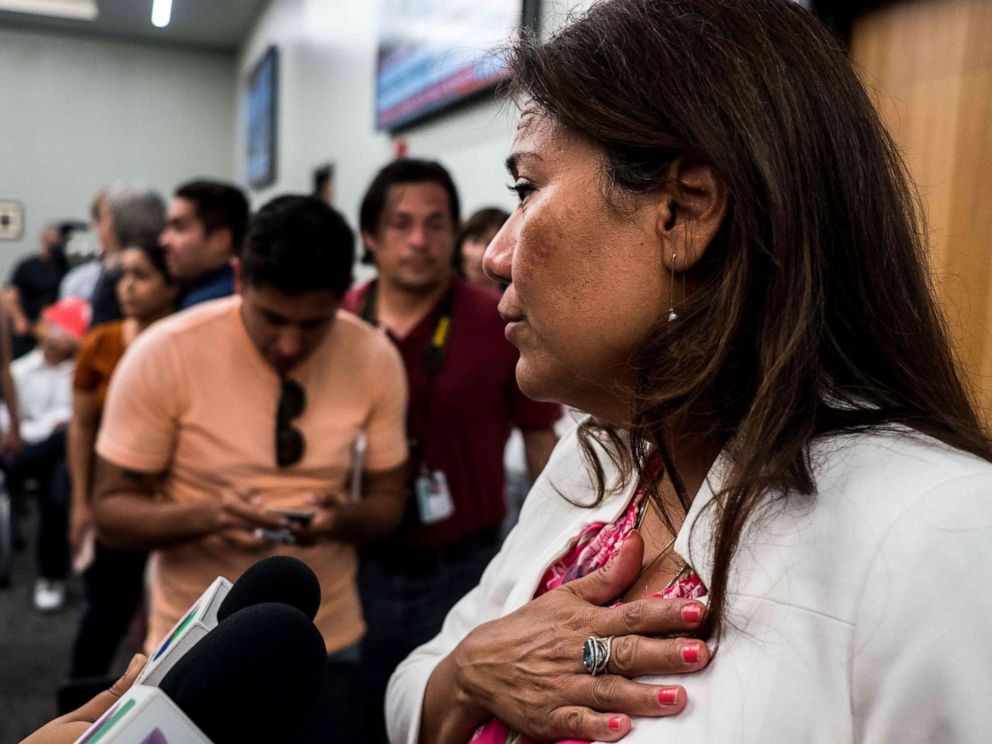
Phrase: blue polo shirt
[211,286]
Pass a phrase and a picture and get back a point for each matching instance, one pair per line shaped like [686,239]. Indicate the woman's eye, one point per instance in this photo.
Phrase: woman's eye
[522,189]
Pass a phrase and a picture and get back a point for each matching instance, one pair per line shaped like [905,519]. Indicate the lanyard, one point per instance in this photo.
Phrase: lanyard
[433,361]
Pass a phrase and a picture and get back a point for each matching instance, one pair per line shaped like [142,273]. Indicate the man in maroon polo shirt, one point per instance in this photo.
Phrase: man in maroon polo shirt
[464,401]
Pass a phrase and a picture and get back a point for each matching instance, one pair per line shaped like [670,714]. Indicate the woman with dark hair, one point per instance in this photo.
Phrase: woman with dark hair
[783,487]
[114,579]
[473,237]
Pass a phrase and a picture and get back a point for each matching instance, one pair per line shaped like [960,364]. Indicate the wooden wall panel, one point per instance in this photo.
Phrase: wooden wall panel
[928,64]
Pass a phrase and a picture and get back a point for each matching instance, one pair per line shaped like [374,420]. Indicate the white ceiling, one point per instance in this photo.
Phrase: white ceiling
[215,24]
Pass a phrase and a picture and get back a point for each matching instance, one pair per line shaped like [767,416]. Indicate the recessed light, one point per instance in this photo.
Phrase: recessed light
[80,10]
[161,13]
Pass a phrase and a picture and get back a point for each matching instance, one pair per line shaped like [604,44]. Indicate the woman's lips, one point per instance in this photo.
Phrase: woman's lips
[513,328]
[509,316]
[514,320]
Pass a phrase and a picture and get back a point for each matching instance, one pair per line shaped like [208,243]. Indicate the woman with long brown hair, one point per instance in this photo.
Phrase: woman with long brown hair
[716,254]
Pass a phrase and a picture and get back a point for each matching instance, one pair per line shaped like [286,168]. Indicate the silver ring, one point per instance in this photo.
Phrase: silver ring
[596,654]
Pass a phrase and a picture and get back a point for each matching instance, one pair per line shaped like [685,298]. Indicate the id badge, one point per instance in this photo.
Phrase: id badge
[433,498]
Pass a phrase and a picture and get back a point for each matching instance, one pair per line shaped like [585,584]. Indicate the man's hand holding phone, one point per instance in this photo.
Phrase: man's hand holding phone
[242,517]
[313,521]
[324,509]
[293,524]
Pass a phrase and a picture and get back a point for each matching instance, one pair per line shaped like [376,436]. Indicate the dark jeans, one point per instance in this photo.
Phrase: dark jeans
[45,462]
[334,719]
[403,611]
[114,585]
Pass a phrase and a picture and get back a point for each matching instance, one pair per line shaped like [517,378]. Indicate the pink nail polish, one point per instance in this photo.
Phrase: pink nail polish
[614,723]
[692,613]
[690,653]
[668,695]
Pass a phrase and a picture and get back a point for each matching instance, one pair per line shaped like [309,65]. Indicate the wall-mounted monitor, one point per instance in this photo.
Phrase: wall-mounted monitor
[434,54]
[262,100]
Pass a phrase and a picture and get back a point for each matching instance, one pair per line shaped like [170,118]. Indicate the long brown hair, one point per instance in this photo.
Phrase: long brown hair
[813,313]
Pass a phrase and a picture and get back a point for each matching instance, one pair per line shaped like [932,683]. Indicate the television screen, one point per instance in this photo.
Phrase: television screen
[261,120]
[434,53]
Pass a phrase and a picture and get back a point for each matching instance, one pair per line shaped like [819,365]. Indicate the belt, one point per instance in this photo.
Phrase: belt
[409,560]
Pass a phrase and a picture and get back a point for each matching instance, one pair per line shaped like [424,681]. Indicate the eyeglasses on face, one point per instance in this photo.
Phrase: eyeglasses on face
[290,444]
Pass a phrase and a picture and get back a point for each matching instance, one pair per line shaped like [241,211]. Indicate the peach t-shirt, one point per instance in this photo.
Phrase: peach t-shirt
[193,399]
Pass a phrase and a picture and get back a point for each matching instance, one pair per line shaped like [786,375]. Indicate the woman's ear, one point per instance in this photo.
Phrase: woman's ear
[690,213]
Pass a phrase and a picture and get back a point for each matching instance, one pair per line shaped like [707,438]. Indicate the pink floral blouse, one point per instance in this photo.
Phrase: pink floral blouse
[594,546]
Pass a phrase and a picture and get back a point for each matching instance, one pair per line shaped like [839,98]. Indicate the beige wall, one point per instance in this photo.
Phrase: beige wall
[79,113]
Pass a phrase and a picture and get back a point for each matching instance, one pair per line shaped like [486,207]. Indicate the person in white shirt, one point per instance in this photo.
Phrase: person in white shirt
[776,524]
[43,380]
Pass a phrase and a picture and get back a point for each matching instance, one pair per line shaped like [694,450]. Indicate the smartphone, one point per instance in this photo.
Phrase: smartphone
[284,537]
[302,518]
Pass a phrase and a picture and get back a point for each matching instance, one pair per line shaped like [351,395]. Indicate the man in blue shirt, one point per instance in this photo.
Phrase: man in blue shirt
[204,228]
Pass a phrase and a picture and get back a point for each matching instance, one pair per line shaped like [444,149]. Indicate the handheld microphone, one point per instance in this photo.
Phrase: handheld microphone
[255,677]
[278,578]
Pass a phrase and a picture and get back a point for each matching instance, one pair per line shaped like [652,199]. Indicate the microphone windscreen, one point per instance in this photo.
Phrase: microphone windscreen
[275,579]
[254,677]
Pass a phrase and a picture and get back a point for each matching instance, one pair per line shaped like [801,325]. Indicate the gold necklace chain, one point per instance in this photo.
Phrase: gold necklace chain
[662,552]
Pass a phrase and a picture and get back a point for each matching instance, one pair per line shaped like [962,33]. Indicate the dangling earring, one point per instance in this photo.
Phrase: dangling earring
[672,315]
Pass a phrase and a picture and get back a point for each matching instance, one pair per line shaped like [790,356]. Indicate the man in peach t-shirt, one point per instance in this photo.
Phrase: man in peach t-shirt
[223,414]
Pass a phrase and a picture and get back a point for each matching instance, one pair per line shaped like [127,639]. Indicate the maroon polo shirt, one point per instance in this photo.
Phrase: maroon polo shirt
[468,410]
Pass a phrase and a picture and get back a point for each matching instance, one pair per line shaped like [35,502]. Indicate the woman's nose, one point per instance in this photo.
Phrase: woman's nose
[498,258]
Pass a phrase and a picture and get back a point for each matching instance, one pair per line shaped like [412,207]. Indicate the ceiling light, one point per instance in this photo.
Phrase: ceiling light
[80,10]
[161,13]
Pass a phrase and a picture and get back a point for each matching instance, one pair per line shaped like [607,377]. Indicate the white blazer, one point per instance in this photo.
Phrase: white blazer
[860,614]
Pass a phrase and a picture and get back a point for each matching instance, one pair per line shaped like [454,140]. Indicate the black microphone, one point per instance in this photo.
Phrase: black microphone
[255,677]
[276,579]
[279,578]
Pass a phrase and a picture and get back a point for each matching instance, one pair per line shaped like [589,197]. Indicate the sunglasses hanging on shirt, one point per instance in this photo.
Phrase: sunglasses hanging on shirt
[290,444]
